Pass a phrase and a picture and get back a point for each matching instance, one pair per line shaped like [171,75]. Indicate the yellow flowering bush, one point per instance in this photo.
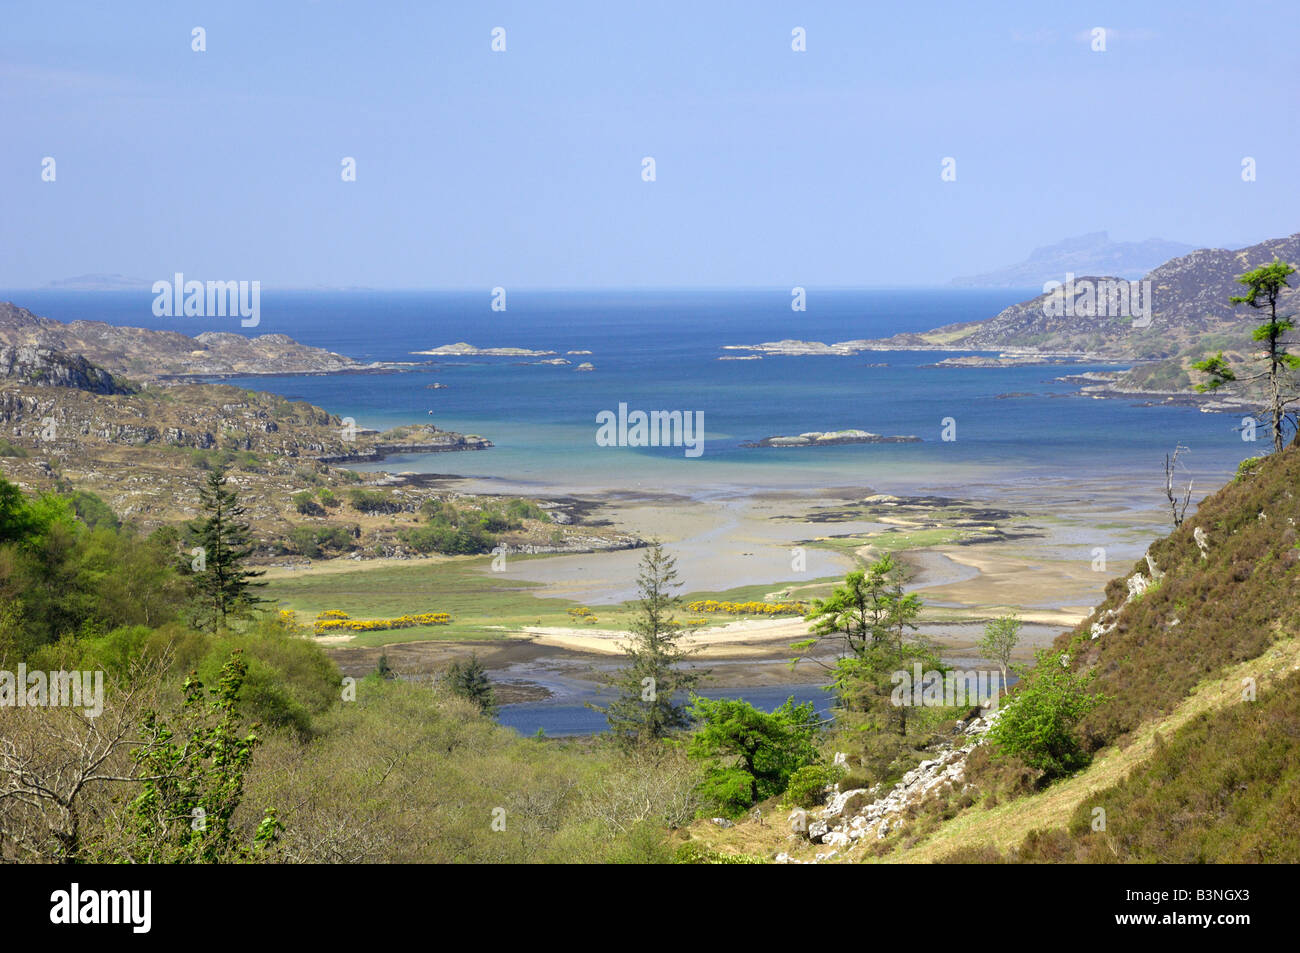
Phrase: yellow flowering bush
[336,621]
[748,608]
[288,620]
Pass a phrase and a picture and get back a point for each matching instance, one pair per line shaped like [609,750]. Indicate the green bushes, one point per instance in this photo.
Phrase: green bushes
[447,540]
[316,541]
[1037,724]
[373,502]
[60,577]
[305,503]
[455,531]
[807,787]
[93,511]
[748,754]
[518,509]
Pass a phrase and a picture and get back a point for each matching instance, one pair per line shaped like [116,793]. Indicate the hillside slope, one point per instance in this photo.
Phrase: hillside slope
[1190,310]
[1197,651]
[1185,765]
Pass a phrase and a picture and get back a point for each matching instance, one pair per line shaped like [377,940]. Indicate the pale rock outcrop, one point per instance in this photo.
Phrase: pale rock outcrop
[849,816]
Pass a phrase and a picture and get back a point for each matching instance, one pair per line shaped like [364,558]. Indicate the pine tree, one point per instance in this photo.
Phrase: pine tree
[469,680]
[223,586]
[646,707]
[1265,285]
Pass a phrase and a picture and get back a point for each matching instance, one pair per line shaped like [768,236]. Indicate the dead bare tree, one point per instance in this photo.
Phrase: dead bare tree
[1177,507]
[61,768]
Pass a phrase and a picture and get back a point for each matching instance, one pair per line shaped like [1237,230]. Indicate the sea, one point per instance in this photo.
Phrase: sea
[986,428]
[660,350]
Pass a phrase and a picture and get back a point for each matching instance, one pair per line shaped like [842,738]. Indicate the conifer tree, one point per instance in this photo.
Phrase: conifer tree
[1264,286]
[648,687]
[223,586]
[469,680]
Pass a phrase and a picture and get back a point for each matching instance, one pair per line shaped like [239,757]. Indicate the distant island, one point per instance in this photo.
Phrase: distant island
[1091,254]
[100,283]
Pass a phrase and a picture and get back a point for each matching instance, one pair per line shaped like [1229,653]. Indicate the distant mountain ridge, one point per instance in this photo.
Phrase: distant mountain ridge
[1091,254]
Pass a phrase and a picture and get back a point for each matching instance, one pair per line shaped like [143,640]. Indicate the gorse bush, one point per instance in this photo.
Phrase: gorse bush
[335,621]
[748,608]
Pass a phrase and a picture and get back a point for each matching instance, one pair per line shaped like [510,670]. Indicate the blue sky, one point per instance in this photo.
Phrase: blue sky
[523,168]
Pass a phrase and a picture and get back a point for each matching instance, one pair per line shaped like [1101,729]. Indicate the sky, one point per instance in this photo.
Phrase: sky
[524,167]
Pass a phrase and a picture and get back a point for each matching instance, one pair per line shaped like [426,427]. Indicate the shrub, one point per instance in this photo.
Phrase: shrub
[1037,723]
[336,621]
[305,504]
[373,502]
[750,755]
[807,787]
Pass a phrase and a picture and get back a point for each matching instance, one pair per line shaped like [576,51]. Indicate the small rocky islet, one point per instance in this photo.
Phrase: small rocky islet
[830,438]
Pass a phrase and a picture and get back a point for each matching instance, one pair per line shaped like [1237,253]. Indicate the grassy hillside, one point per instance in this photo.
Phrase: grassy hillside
[1195,748]
[1197,739]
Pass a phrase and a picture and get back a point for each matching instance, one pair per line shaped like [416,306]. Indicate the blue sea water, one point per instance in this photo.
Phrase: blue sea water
[659,350]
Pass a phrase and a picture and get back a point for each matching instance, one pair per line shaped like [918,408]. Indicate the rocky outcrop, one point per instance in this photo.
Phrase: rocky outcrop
[444,441]
[146,355]
[45,367]
[849,816]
